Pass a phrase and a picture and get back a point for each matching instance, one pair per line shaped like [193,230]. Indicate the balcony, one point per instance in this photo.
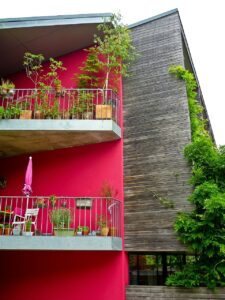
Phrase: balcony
[60,223]
[41,120]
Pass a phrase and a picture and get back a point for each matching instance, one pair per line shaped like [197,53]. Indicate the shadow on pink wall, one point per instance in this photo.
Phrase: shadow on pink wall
[62,275]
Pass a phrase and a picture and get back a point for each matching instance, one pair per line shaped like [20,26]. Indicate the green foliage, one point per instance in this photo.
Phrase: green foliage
[202,230]
[33,66]
[61,218]
[109,58]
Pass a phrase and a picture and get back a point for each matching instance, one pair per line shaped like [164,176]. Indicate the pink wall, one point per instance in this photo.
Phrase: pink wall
[78,171]
[61,275]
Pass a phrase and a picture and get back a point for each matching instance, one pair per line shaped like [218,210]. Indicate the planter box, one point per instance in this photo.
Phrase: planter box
[26,114]
[103,111]
[63,232]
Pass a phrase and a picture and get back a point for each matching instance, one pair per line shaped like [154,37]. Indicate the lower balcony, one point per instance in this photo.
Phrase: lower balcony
[60,223]
[40,120]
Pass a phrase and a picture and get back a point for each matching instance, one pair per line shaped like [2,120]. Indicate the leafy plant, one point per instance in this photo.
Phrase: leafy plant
[6,86]
[52,200]
[2,111]
[33,66]
[202,229]
[61,218]
[28,225]
[107,190]
[102,221]
[109,58]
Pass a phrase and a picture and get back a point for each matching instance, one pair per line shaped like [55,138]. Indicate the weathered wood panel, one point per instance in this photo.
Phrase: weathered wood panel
[171,293]
[156,129]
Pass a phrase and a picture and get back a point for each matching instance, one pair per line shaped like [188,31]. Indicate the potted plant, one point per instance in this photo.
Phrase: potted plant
[85,230]
[26,112]
[40,202]
[17,230]
[2,112]
[61,219]
[6,88]
[8,229]
[85,100]
[27,228]
[103,224]
[52,200]
[1,229]
[79,230]
[15,111]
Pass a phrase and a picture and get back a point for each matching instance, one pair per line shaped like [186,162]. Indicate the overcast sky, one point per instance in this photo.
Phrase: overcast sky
[204,25]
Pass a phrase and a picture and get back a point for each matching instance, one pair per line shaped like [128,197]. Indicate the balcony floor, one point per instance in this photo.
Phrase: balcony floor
[29,136]
[87,243]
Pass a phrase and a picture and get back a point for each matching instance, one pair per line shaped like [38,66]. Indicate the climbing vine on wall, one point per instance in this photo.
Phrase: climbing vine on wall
[203,229]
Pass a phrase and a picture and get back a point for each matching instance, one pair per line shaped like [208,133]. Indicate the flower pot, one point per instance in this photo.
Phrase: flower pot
[85,231]
[38,115]
[103,111]
[26,114]
[27,233]
[1,231]
[63,232]
[113,231]
[7,231]
[104,231]
[17,230]
[88,115]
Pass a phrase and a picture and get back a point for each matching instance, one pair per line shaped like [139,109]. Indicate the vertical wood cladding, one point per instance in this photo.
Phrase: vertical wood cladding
[164,292]
[156,129]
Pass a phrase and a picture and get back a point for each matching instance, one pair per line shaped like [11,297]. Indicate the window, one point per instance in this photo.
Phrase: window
[153,269]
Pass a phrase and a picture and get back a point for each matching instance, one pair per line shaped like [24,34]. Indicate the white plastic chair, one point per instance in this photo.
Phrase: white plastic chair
[30,214]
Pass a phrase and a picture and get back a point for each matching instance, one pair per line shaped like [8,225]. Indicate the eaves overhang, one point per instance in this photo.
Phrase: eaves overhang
[52,36]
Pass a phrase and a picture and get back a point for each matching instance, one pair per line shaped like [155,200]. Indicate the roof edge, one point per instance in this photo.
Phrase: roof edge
[53,20]
[165,14]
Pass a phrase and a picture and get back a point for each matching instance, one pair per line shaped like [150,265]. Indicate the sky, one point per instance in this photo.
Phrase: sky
[204,26]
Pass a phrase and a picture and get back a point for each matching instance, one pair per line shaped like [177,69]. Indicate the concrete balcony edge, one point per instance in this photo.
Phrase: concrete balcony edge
[29,136]
[76,243]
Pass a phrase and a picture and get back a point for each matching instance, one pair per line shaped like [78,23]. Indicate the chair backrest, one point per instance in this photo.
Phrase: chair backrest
[31,212]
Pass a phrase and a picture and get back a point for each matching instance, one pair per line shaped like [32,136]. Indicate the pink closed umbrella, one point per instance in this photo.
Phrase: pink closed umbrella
[27,190]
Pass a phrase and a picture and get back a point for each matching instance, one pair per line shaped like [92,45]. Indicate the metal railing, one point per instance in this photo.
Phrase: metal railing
[60,216]
[64,104]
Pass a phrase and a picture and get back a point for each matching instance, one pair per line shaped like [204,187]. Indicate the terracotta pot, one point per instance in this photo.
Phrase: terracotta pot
[38,115]
[1,231]
[104,231]
[26,114]
[113,231]
[7,231]
[85,232]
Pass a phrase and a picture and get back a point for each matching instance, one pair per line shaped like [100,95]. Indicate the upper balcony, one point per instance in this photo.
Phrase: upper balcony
[60,223]
[33,120]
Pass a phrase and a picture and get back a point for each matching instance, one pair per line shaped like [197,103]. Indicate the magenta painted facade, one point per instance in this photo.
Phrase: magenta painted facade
[78,171]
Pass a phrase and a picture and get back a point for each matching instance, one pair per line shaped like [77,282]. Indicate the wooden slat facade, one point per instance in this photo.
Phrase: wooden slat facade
[172,293]
[156,129]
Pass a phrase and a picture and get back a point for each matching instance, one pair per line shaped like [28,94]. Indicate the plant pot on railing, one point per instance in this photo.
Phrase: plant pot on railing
[103,111]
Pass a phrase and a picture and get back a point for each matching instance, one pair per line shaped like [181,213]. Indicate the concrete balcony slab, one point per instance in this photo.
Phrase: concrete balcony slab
[28,136]
[79,243]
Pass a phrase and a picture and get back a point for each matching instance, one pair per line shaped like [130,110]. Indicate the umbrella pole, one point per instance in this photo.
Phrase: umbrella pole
[27,202]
